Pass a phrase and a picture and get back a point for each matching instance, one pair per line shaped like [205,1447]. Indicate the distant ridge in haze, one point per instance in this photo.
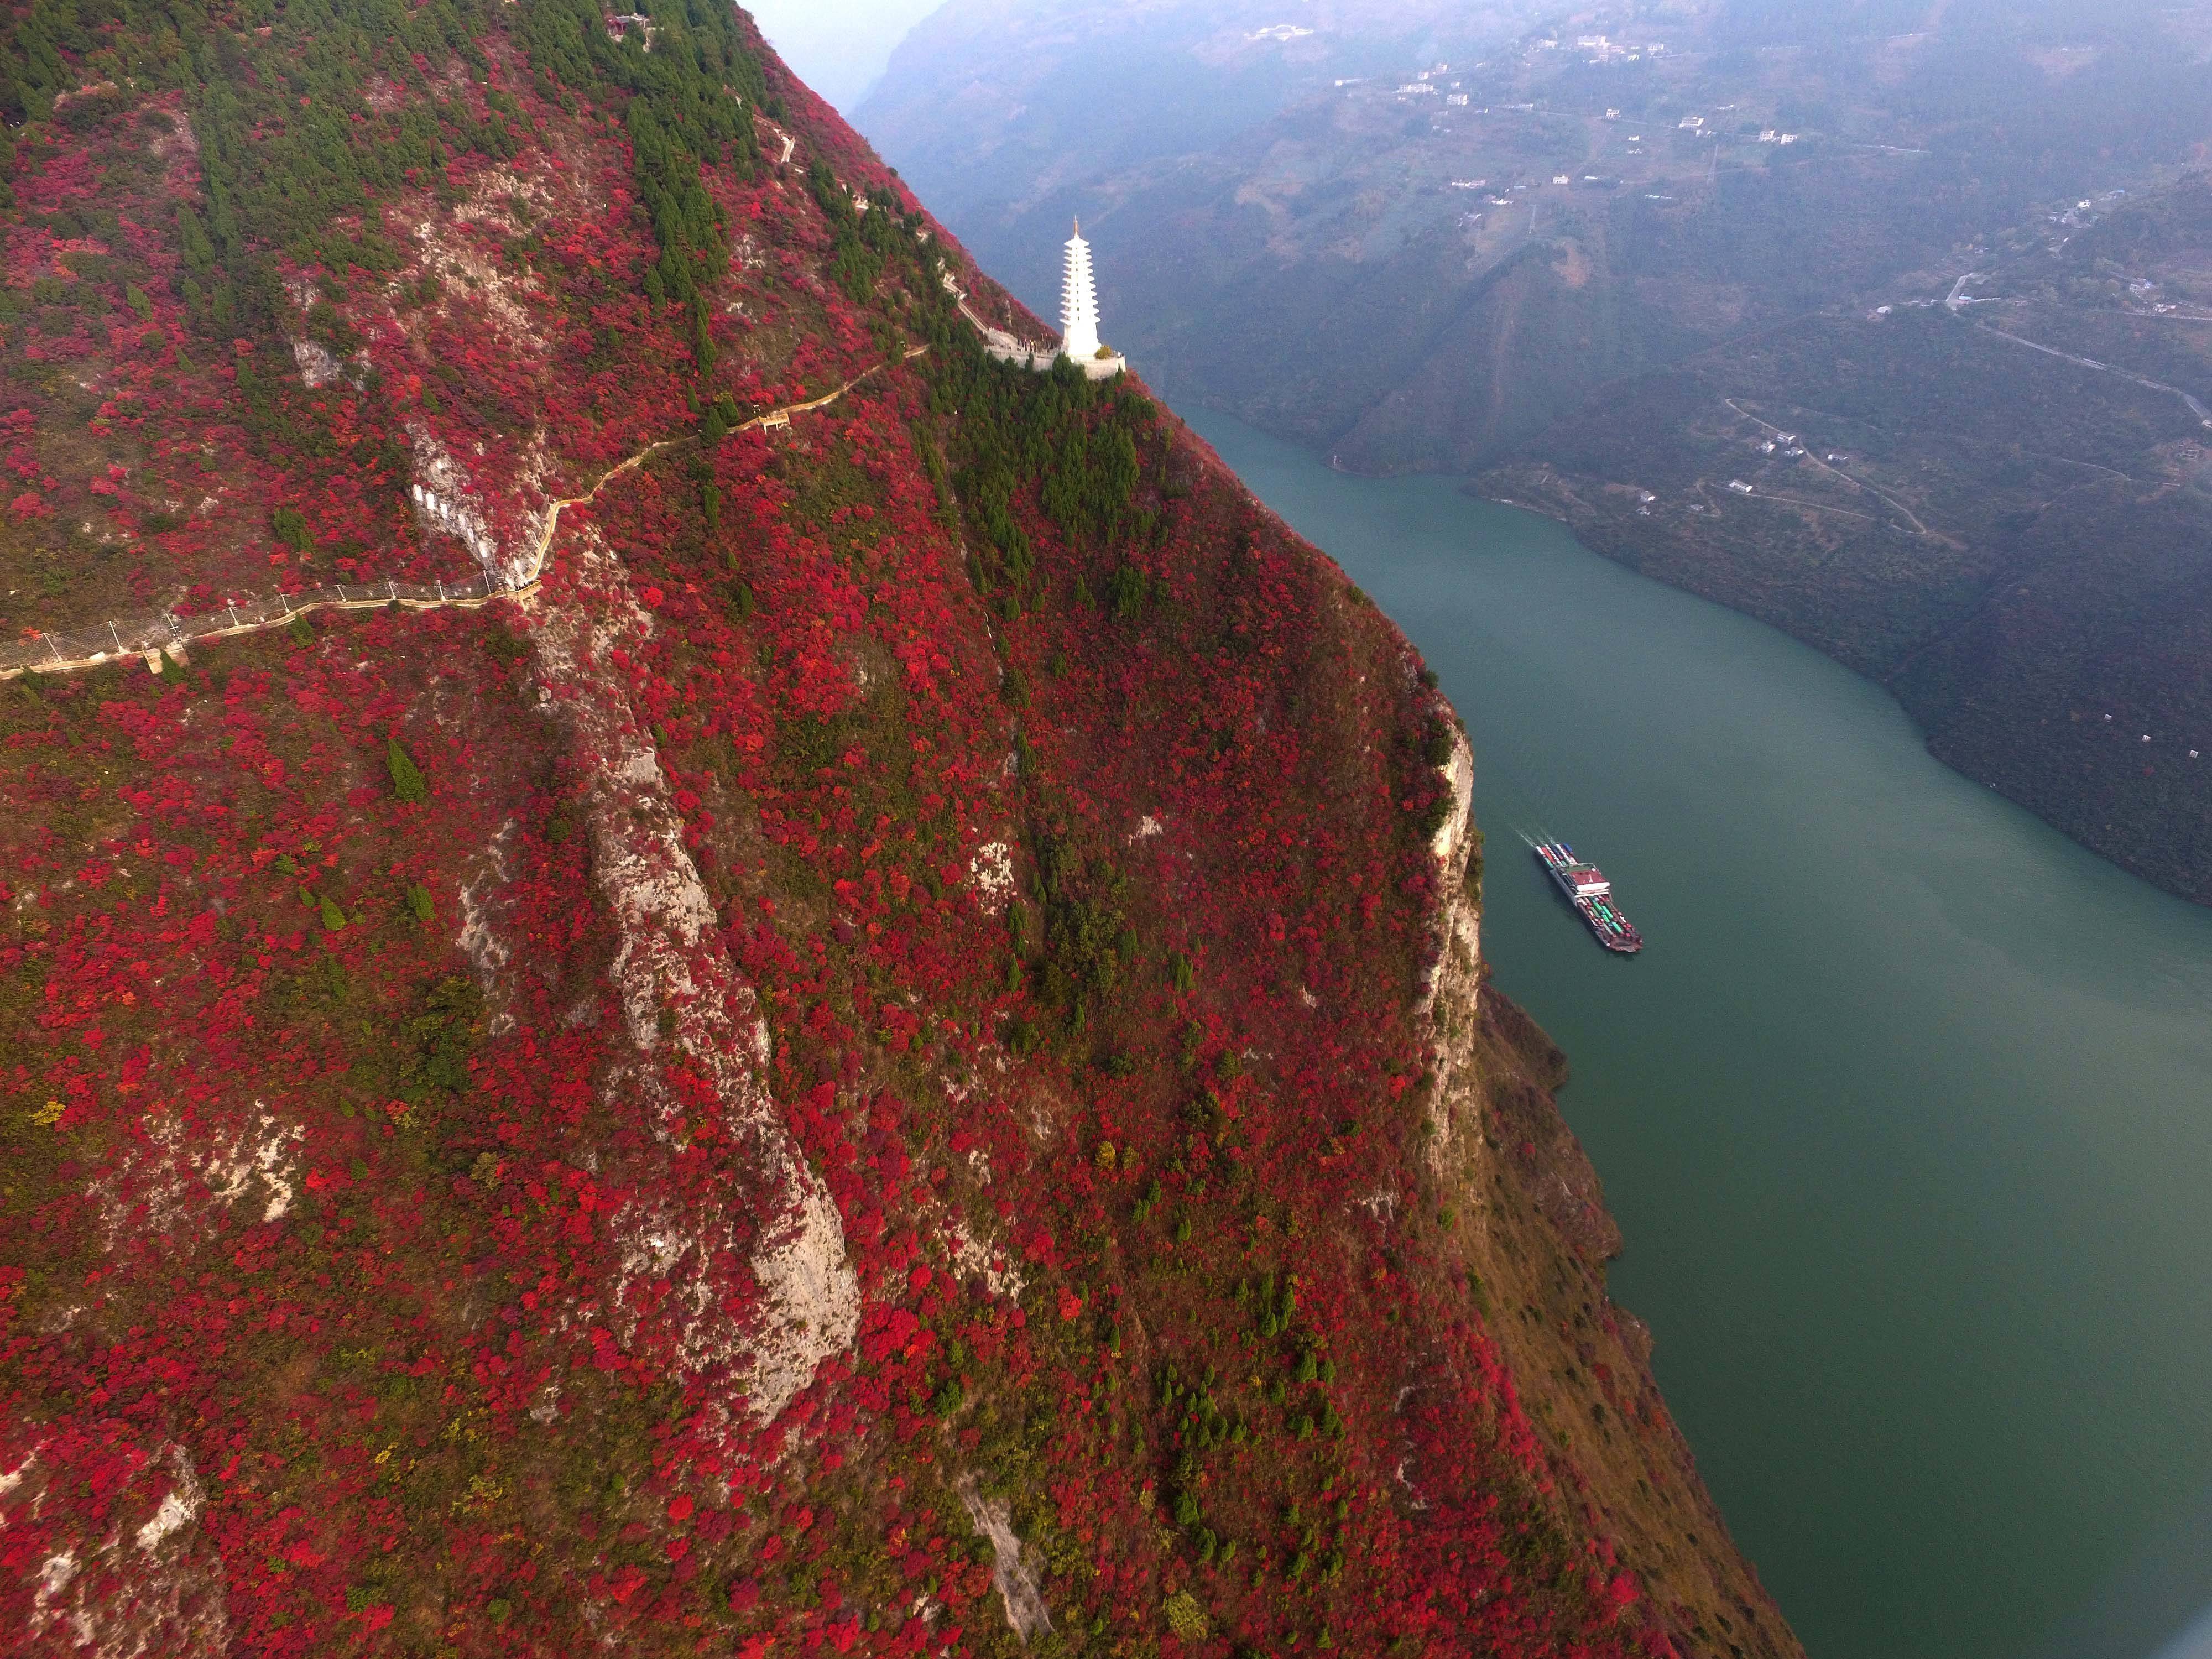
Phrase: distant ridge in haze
[838,47]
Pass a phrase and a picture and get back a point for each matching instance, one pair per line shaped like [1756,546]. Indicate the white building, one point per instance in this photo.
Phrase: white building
[1078,313]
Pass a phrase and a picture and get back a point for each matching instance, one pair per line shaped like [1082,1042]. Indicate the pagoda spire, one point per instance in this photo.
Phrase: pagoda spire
[1079,300]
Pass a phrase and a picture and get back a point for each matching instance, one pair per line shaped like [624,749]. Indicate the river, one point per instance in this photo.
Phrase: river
[1905,1111]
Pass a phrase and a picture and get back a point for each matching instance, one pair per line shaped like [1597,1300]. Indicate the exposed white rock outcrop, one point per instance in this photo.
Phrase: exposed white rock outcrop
[1452,991]
[160,1188]
[116,1586]
[991,870]
[682,996]
[444,502]
[317,365]
[1450,840]
[999,1275]
[1016,1584]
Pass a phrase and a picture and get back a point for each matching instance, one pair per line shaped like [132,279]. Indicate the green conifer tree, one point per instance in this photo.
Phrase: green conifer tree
[408,782]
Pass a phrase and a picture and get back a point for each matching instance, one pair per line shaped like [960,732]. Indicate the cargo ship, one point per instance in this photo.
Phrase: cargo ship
[1591,893]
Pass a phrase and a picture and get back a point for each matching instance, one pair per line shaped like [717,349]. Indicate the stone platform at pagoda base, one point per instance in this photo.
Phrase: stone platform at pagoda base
[998,344]
[1007,349]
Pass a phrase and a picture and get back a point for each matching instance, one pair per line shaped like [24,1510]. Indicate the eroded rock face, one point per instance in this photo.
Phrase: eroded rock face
[1526,1221]
[685,1004]
[1024,1605]
[103,1551]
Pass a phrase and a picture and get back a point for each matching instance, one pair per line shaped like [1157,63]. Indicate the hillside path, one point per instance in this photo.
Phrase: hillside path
[1909,516]
[149,637]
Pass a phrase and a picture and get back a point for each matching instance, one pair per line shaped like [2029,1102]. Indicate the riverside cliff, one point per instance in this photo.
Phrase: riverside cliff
[857,1025]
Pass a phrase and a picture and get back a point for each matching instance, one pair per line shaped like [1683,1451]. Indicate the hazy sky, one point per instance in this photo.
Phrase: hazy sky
[837,46]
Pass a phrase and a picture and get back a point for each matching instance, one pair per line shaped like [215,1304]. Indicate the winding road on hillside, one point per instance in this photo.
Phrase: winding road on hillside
[53,652]
[2196,408]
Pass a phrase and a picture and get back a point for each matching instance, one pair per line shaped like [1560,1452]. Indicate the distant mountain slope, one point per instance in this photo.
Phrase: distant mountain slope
[1418,279]
[686,969]
[1004,114]
[2017,543]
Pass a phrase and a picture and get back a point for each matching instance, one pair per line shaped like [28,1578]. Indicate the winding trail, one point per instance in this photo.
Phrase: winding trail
[767,420]
[150,637]
[1890,501]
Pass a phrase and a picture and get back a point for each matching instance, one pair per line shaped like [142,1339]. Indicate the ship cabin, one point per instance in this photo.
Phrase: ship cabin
[1589,881]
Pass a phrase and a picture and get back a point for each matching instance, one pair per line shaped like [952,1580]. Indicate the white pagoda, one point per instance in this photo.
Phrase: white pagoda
[1078,313]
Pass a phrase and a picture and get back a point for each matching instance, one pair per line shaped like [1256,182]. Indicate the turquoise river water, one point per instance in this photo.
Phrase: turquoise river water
[1905,1111]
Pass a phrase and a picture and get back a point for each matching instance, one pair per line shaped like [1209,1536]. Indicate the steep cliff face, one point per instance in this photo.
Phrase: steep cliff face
[1522,1229]
[807,990]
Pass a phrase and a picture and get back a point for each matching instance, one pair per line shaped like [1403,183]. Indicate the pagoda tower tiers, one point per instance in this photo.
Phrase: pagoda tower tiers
[1078,313]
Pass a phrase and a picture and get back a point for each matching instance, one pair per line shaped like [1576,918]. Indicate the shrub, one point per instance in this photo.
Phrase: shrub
[289,527]
[408,782]
[1125,592]
[439,1041]
[1186,1618]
